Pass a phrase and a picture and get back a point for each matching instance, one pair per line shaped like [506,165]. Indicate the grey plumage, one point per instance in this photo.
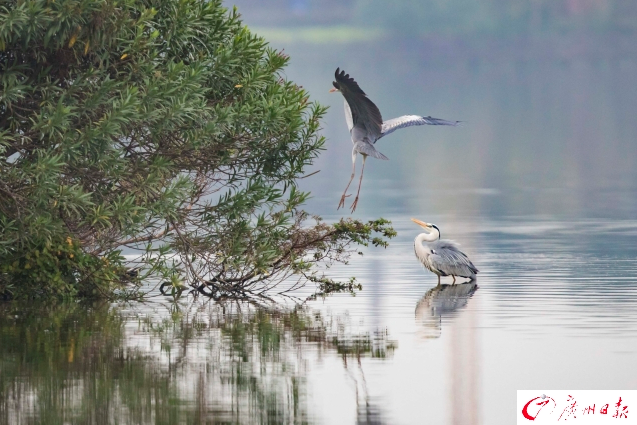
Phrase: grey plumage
[366,125]
[367,149]
[446,259]
[441,256]
[394,124]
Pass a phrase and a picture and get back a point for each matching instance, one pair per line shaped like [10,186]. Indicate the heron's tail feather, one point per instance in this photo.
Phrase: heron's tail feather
[379,155]
[369,150]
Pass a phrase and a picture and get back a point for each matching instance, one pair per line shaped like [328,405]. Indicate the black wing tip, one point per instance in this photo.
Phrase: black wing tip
[344,79]
[438,121]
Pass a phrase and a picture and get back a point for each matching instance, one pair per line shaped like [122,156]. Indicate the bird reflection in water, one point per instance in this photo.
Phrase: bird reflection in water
[462,343]
[438,301]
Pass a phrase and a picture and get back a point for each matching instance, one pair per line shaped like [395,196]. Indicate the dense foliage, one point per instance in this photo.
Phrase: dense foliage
[155,128]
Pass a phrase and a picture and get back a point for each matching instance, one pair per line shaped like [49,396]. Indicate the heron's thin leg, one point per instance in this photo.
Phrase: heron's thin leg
[454,279]
[342,203]
[360,181]
[438,280]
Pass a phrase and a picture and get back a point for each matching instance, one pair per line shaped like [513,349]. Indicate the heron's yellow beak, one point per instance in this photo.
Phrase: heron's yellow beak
[333,89]
[421,223]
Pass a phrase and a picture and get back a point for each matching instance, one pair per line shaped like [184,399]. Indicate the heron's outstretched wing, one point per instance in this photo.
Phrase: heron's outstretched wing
[394,124]
[364,113]
[448,258]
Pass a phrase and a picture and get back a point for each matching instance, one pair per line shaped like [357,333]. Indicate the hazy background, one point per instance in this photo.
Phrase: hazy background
[546,89]
[442,18]
[539,185]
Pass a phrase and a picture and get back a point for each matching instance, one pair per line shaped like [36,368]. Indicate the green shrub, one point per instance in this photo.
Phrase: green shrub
[157,127]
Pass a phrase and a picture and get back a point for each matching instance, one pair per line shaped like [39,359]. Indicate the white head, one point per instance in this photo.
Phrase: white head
[433,232]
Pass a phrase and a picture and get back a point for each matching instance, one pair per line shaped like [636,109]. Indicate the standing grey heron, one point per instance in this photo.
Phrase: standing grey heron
[441,256]
[366,125]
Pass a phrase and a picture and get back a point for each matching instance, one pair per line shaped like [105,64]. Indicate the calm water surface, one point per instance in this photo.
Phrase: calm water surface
[540,188]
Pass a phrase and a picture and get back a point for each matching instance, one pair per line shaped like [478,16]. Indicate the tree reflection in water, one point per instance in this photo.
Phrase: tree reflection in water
[170,363]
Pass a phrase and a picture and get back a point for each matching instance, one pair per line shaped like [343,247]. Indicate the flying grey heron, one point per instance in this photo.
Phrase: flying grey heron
[366,125]
[441,256]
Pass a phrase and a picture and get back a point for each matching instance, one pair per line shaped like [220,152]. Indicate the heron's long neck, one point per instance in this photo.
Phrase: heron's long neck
[422,251]
[433,235]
